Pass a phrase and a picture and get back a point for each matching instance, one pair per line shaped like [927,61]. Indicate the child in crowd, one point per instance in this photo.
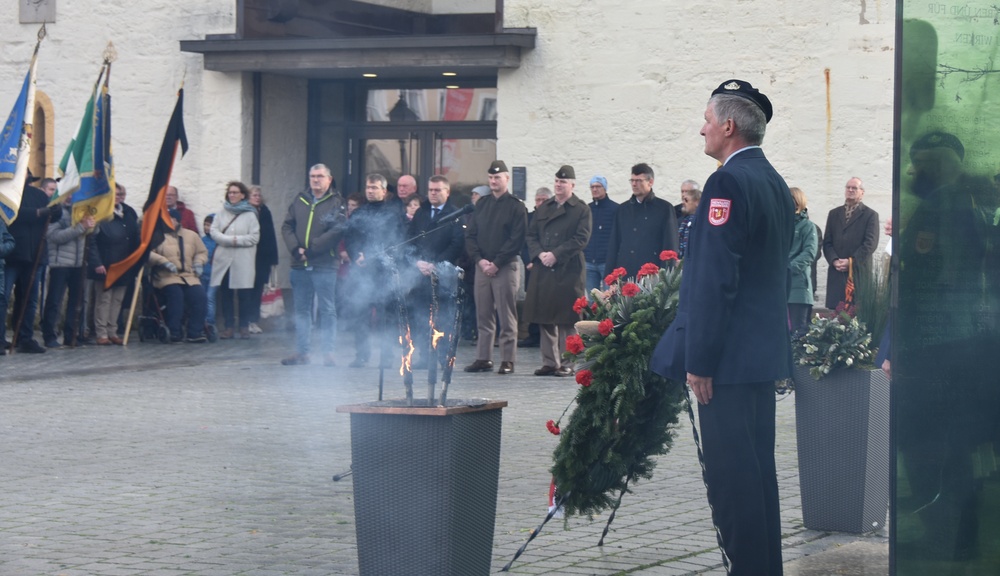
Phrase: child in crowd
[206,273]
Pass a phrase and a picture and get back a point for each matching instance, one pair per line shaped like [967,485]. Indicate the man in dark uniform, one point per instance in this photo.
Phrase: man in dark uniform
[644,226]
[493,240]
[729,341]
[556,238]
[946,325]
[431,256]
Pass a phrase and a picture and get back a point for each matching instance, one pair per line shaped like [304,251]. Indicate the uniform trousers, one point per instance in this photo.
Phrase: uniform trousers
[553,342]
[737,438]
[497,294]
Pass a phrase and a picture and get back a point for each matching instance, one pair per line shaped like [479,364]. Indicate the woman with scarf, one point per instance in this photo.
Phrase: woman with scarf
[236,231]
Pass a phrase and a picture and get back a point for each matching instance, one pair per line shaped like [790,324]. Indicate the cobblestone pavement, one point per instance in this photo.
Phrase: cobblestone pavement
[214,459]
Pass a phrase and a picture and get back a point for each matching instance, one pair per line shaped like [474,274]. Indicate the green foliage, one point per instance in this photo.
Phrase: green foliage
[626,416]
[872,298]
[840,341]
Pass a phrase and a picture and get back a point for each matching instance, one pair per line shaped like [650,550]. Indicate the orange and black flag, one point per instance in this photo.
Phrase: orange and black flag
[154,212]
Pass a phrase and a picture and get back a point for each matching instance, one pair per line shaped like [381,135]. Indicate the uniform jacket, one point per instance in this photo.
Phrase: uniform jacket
[801,258]
[732,322]
[195,254]
[857,238]
[316,226]
[445,245]
[113,241]
[563,230]
[66,242]
[236,248]
[641,231]
[496,230]
[602,216]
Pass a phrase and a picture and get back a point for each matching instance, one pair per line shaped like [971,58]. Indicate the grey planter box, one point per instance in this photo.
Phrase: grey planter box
[842,426]
[425,486]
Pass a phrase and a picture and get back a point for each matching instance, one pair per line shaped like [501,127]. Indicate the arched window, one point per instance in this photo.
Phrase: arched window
[43,158]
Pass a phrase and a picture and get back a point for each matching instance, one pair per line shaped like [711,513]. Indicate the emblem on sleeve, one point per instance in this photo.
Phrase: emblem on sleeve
[718,211]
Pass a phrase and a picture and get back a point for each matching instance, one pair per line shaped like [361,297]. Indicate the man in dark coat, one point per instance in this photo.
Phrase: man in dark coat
[644,226]
[435,256]
[556,238]
[374,228]
[729,340]
[851,232]
[23,275]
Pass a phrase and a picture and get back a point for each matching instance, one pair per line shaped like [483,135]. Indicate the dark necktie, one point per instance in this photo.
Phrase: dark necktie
[434,213]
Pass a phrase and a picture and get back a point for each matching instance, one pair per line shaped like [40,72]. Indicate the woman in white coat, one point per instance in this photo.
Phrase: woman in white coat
[236,231]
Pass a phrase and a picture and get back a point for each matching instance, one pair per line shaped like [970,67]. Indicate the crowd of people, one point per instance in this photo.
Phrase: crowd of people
[50,260]
[520,270]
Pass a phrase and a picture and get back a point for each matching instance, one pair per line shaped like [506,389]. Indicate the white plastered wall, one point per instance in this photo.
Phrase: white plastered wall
[144,83]
[611,84]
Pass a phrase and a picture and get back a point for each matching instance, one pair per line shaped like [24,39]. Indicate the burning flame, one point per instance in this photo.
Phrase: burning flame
[408,356]
[435,336]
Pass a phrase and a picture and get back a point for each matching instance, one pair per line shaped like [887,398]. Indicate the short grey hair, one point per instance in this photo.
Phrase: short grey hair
[747,116]
[543,192]
[323,168]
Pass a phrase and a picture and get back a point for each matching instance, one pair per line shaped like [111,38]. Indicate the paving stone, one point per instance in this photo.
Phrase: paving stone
[210,460]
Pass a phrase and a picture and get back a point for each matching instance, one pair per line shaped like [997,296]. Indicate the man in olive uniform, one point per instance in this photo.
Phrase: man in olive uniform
[493,241]
[556,238]
[729,341]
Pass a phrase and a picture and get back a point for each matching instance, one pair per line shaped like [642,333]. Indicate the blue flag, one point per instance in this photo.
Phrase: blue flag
[15,147]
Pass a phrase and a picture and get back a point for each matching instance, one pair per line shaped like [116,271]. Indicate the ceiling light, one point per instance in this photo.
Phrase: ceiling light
[370,75]
[449,73]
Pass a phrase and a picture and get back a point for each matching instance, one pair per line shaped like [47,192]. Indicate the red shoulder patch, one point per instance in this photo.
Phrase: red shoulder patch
[718,211]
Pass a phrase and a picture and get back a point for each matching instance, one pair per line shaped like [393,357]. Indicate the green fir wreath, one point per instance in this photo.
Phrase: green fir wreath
[625,414]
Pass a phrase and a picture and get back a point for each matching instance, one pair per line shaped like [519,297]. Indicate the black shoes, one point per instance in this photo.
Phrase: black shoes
[506,368]
[562,371]
[296,360]
[30,347]
[485,366]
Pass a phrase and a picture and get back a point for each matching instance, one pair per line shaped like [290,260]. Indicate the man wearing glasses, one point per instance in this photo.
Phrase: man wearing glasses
[644,226]
[851,232]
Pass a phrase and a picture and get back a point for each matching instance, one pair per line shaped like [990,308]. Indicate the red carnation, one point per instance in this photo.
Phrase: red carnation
[610,279]
[668,255]
[606,327]
[648,269]
[553,428]
[584,378]
[619,273]
[593,307]
[574,344]
[630,289]
[580,305]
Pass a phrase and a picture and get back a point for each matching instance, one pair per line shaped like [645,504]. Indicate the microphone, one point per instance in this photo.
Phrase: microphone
[468,208]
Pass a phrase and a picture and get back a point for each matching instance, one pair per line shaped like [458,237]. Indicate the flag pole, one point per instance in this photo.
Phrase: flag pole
[131,308]
[41,244]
